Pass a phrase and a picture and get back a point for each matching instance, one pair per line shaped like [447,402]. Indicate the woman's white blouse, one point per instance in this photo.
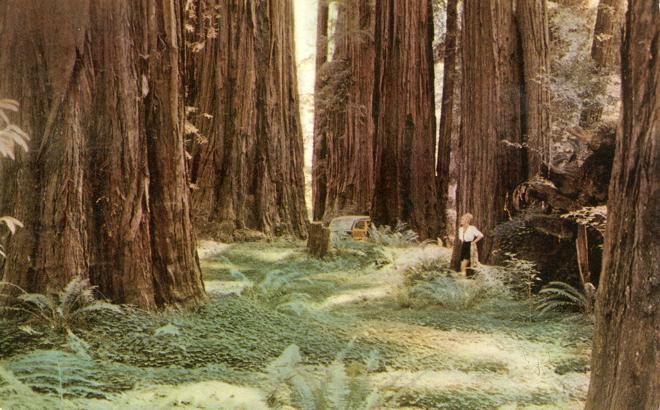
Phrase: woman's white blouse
[469,234]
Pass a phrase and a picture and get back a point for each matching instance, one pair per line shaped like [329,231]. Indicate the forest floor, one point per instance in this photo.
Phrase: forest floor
[363,338]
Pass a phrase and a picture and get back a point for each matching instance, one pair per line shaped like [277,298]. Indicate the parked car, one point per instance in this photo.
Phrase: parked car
[355,226]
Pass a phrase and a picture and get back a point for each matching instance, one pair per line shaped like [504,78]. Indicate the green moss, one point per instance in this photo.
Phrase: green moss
[572,364]
[461,399]
[232,331]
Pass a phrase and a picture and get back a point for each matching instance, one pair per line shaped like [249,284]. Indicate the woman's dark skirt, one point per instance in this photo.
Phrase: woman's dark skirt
[465,250]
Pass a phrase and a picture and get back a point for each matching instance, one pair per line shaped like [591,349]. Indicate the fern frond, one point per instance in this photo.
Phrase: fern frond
[336,386]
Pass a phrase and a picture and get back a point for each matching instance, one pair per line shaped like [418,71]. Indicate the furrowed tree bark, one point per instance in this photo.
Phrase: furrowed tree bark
[249,172]
[625,361]
[532,20]
[447,116]
[103,190]
[609,20]
[320,151]
[491,164]
[344,102]
[404,117]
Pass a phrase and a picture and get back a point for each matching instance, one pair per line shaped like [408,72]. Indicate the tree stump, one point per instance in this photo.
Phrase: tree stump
[318,241]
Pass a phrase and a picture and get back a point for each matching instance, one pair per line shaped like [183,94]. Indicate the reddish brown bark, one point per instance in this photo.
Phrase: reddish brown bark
[249,172]
[532,18]
[102,191]
[320,150]
[582,250]
[490,162]
[447,115]
[404,117]
[344,129]
[625,364]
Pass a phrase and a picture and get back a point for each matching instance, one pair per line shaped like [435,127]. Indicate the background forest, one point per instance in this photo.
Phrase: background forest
[172,171]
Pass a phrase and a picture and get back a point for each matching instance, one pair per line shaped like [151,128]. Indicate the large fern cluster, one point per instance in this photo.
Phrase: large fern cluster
[49,378]
[562,296]
[398,236]
[335,388]
[61,310]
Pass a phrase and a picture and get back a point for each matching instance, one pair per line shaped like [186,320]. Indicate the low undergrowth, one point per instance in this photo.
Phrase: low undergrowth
[449,342]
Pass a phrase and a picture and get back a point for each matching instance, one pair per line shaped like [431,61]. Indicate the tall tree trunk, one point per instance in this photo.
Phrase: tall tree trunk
[532,17]
[404,117]
[343,113]
[625,365]
[320,150]
[103,191]
[447,115]
[249,172]
[490,162]
[609,20]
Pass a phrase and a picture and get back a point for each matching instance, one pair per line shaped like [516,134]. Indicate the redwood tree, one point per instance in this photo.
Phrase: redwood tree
[490,161]
[404,117]
[609,20]
[343,124]
[625,365]
[532,18]
[103,191]
[505,123]
[447,114]
[320,151]
[247,165]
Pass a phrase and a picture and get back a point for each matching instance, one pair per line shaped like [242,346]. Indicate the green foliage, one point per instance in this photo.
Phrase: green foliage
[59,310]
[473,399]
[336,388]
[399,236]
[427,271]
[16,395]
[236,332]
[593,216]
[435,283]
[48,378]
[562,296]
[579,364]
[519,275]
[452,293]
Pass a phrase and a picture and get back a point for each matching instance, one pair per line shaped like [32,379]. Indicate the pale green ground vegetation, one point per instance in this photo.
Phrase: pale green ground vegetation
[369,326]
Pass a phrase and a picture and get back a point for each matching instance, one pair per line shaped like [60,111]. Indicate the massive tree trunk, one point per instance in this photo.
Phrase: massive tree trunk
[490,159]
[320,151]
[532,20]
[248,162]
[609,21]
[343,113]
[103,191]
[447,115]
[404,117]
[625,366]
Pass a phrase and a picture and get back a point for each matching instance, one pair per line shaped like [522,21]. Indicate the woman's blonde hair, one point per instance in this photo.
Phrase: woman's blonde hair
[466,219]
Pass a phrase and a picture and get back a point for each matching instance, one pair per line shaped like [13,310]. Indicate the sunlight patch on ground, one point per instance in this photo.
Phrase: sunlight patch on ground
[407,257]
[225,288]
[527,367]
[204,395]
[382,283]
[358,295]
[206,249]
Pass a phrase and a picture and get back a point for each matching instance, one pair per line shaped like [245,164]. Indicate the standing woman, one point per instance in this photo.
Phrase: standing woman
[467,234]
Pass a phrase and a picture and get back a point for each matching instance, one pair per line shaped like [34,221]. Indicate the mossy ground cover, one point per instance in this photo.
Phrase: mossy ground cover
[498,353]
